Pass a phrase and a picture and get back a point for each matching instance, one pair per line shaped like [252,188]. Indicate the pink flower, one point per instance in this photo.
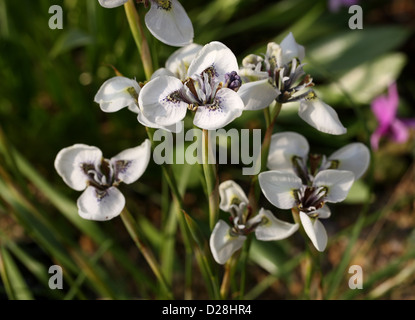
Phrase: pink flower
[385,108]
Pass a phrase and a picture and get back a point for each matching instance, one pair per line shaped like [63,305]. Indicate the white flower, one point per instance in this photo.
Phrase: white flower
[83,167]
[286,190]
[308,181]
[167,21]
[269,76]
[279,76]
[226,240]
[209,90]
[289,151]
[178,63]
[120,92]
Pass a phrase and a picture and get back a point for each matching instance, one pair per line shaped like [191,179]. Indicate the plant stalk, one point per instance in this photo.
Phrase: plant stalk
[139,37]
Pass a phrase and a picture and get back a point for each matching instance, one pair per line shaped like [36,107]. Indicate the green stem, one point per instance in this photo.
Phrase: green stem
[271,117]
[167,171]
[139,37]
[267,116]
[244,259]
[228,275]
[135,234]
[211,178]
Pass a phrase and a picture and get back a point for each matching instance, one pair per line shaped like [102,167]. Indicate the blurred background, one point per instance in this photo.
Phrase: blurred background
[48,79]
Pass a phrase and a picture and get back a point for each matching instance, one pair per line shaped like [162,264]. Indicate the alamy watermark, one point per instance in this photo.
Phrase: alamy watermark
[226,146]
[356,20]
[356,280]
[56,20]
[56,280]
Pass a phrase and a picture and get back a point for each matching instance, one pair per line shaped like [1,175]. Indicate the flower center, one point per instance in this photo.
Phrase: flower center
[310,199]
[308,169]
[200,90]
[289,78]
[240,219]
[101,177]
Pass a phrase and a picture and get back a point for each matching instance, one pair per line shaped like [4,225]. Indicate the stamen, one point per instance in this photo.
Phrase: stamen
[192,107]
[310,199]
[164,4]
[311,95]
[174,97]
[214,106]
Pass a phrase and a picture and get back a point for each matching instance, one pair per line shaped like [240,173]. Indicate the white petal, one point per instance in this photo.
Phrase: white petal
[68,164]
[257,95]
[284,147]
[279,187]
[175,128]
[111,3]
[324,212]
[274,52]
[353,157]
[133,162]
[162,72]
[156,105]
[216,55]
[249,75]
[100,207]
[115,94]
[222,244]
[291,49]
[337,182]
[171,25]
[229,191]
[320,116]
[273,228]
[315,231]
[178,63]
[230,107]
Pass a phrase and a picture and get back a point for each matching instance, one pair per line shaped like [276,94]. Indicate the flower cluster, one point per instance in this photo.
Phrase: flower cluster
[207,82]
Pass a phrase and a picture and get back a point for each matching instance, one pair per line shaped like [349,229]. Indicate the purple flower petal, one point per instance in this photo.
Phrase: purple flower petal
[374,139]
[385,107]
[399,132]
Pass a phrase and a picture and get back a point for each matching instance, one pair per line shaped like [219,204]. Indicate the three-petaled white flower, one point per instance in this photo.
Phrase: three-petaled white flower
[286,190]
[83,167]
[307,182]
[225,239]
[121,92]
[209,90]
[167,20]
[289,151]
[279,75]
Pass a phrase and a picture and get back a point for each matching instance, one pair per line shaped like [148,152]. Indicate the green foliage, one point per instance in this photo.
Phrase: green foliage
[48,82]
